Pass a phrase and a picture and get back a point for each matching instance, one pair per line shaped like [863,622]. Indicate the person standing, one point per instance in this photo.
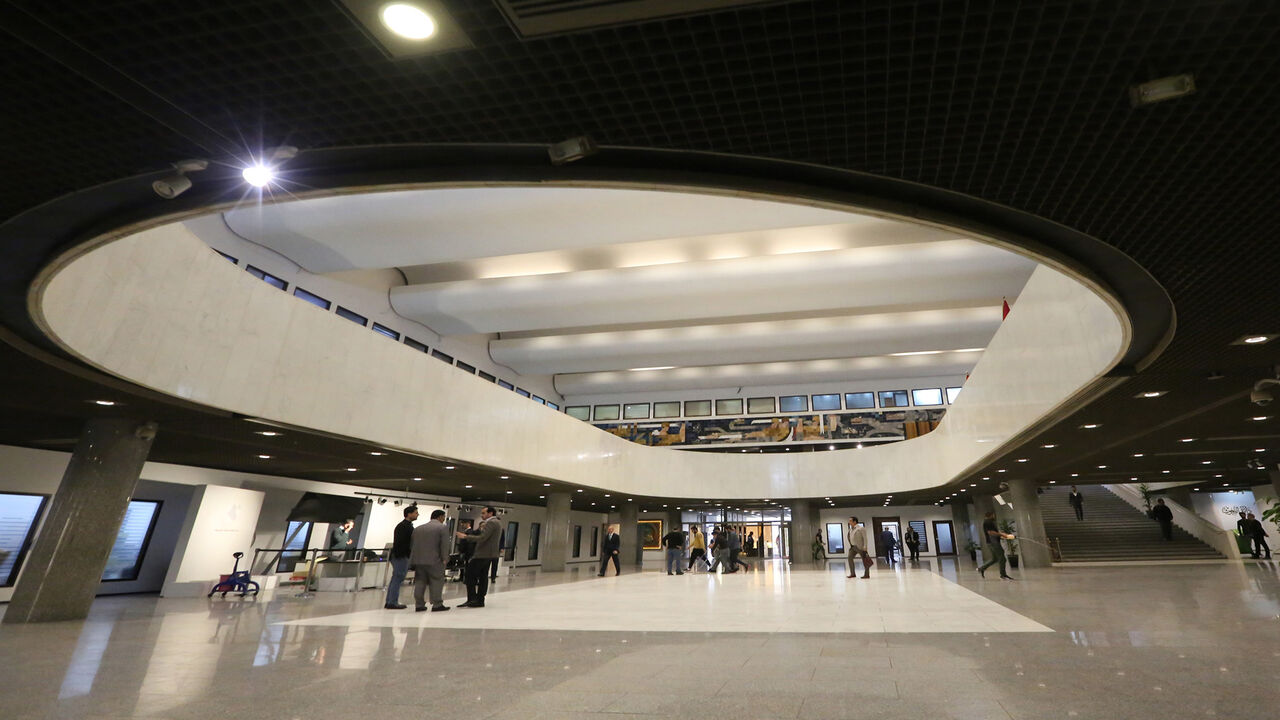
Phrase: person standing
[1077,502]
[486,538]
[401,544]
[719,549]
[674,543]
[1164,516]
[913,543]
[429,555]
[735,550]
[889,542]
[340,540]
[612,545]
[819,549]
[749,545]
[1258,534]
[994,536]
[858,548]
[466,549]
[697,546]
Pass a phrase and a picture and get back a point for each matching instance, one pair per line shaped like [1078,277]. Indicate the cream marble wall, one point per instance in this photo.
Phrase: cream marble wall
[163,310]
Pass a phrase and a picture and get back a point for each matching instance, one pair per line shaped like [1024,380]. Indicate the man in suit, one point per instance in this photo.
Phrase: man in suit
[1164,516]
[429,553]
[912,542]
[1077,502]
[889,542]
[612,545]
[401,547]
[486,538]
[1258,534]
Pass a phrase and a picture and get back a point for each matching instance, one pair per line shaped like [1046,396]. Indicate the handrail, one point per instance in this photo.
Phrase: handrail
[1187,519]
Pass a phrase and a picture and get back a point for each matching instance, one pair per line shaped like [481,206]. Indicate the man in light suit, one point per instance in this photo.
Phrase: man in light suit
[428,555]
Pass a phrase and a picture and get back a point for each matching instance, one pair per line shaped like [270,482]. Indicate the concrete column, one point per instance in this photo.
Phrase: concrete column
[61,574]
[801,532]
[1033,544]
[555,549]
[962,528]
[629,552]
[982,504]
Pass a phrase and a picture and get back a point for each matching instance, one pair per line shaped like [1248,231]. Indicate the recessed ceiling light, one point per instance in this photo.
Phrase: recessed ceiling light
[829,447]
[1260,418]
[104,403]
[1259,449]
[546,484]
[1049,446]
[508,492]
[1102,467]
[579,489]
[504,477]
[1091,426]
[258,175]
[1075,474]
[376,453]
[1022,459]
[467,487]
[448,467]
[265,457]
[1254,339]
[352,469]
[1218,475]
[1187,440]
[1138,454]
[1206,462]
[542,497]
[1164,472]
[1002,470]
[1151,394]
[267,433]
[973,484]
[1225,484]
[1196,489]
[656,367]
[408,21]
[1053,482]
[417,479]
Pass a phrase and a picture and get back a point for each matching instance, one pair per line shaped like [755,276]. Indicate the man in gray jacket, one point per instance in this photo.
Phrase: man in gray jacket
[487,538]
[428,554]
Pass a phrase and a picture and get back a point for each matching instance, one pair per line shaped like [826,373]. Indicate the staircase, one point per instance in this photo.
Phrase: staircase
[1112,530]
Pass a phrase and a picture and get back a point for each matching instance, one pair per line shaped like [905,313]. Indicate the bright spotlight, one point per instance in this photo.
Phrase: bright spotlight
[408,21]
[258,175]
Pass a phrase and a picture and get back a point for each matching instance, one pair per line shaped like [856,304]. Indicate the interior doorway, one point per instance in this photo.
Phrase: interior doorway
[893,525]
[944,538]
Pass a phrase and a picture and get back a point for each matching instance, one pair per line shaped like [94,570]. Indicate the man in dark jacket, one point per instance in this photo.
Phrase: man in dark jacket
[1163,515]
[1258,534]
[466,549]
[1077,502]
[612,545]
[400,546]
[487,539]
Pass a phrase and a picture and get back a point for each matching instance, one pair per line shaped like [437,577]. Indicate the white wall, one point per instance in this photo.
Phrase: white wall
[220,521]
[216,335]
[1222,509]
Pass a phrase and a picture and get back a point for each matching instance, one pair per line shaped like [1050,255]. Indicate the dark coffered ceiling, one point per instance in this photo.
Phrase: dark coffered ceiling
[1021,104]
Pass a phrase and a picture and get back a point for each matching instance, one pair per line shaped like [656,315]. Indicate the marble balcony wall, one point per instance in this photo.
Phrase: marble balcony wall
[190,324]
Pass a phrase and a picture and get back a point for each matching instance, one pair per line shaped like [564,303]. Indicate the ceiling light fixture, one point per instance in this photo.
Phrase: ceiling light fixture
[104,403]
[1187,440]
[656,367]
[1091,426]
[1260,418]
[1049,446]
[1022,459]
[408,21]
[375,453]
[1161,89]
[467,487]
[171,186]
[504,477]
[267,433]
[258,175]
[1151,394]
[417,479]
[1138,454]
[1254,339]
[264,457]
[352,469]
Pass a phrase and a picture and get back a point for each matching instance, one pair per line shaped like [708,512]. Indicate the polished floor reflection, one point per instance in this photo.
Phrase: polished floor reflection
[1122,642]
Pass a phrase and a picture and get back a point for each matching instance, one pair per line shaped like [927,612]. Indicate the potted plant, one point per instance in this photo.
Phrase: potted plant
[1147,492]
[1272,514]
[972,547]
[1006,526]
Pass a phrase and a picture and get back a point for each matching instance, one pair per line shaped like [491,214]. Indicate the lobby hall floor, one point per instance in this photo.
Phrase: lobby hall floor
[929,641]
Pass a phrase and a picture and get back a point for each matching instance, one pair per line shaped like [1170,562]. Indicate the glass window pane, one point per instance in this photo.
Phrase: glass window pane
[826,402]
[552,405]
[794,403]
[835,538]
[509,541]
[595,541]
[577,541]
[419,346]
[918,526]
[442,357]
[582,412]
[758,405]
[266,277]
[952,393]
[666,409]
[384,330]
[296,537]
[523,393]
[894,398]
[731,406]
[928,396]
[697,408]
[311,298]
[539,400]
[228,257]
[506,385]
[19,513]
[535,538]
[125,559]
[466,367]
[635,411]
[488,376]
[859,400]
[606,412]
[353,316]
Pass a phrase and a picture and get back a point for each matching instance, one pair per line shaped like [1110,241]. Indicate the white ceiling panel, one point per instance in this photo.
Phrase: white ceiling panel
[442,225]
[930,273]
[771,341]
[756,374]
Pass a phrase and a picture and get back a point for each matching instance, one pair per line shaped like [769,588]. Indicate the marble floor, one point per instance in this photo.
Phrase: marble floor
[933,640]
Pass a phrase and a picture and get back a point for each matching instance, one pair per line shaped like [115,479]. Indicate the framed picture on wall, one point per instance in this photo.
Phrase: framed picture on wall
[650,534]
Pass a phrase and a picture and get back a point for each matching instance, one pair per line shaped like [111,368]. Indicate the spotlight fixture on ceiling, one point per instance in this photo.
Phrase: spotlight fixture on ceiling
[574,148]
[1091,426]
[1161,89]
[407,21]
[1151,394]
[1255,339]
[171,186]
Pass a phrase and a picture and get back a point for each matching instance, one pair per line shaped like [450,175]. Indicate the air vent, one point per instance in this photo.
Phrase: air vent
[531,18]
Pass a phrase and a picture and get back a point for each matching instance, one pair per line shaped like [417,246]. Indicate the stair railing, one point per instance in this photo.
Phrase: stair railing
[1199,528]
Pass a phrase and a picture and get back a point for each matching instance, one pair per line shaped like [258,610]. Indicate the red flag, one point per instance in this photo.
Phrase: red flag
[1006,309]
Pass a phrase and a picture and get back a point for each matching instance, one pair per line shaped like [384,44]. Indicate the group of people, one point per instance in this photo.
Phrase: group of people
[426,548]
[1251,528]
[725,549]
[908,549]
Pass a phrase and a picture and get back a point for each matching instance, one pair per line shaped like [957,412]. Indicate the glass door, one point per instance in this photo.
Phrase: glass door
[943,537]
